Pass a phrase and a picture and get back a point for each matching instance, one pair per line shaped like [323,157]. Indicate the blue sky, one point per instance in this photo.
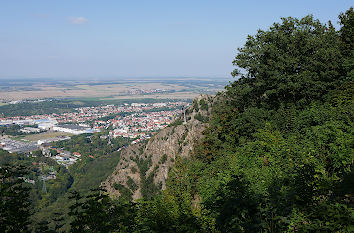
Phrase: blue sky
[131,38]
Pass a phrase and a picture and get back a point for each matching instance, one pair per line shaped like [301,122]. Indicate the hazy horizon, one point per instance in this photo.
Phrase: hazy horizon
[109,40]
[137,78]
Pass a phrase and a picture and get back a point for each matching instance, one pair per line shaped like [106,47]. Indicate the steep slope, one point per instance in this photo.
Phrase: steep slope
[143,167]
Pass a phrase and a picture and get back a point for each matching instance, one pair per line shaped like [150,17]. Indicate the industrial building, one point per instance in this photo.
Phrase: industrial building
[73,129]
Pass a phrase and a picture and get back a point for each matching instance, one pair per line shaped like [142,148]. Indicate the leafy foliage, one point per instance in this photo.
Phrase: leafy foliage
[96,212]
[125,193]
[14,202]
[131,184]
[278,153]
[296,61]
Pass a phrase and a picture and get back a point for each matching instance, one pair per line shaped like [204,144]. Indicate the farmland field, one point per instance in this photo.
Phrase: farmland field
[11,90]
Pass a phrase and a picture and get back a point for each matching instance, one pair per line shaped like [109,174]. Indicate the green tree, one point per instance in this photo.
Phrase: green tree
[14,202]
[347,38]
[295,61]
[96,212]
[235,207]
[347,31]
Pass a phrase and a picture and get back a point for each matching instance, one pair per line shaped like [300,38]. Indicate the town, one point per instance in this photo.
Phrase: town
[136,121]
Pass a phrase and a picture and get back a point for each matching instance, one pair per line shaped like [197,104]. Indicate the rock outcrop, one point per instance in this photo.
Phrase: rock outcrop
[143,168]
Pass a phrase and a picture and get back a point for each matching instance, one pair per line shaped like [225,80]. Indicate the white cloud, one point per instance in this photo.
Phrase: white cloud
[78,20]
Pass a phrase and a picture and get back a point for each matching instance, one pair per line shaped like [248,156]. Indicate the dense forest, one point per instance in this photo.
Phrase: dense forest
[277,155]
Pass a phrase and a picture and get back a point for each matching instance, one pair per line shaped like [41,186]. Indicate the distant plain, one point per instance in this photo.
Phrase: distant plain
[179,88]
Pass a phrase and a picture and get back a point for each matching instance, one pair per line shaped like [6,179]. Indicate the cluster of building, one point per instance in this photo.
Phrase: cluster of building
[141,124]
[73,129]
[30,130]
[43,122]
[139,119]
[138,91]
[136,120]
[24,101]
[84,114]
[66,158]
[14,146]
[61,156]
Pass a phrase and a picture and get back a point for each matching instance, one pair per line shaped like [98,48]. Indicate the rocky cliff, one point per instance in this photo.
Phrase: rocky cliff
[143,167]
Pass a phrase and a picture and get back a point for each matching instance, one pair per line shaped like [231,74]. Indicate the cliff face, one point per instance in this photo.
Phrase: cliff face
[143,168]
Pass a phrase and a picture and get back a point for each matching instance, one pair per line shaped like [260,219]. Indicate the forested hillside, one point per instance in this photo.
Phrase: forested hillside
[277,155]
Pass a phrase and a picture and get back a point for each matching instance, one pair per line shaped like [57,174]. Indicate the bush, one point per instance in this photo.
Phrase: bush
[203,105]
[131,184]
[125,193]
[163,159]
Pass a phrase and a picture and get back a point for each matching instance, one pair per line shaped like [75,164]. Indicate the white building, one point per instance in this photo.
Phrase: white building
[73,129]
[159,104]
[30,130]
[46,124]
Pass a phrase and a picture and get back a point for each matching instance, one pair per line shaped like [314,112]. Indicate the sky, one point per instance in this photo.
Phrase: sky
[102,39]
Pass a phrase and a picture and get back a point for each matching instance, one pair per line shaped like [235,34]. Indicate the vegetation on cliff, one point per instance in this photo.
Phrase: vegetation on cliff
[278,154]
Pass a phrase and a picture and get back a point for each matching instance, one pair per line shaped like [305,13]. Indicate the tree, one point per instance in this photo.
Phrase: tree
[96,212]
[347,31]
[14,200]
[235,207]
[277,153]
[347,38]
[295,61]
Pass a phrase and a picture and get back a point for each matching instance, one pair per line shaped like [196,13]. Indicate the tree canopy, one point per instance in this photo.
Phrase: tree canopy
[295,61]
